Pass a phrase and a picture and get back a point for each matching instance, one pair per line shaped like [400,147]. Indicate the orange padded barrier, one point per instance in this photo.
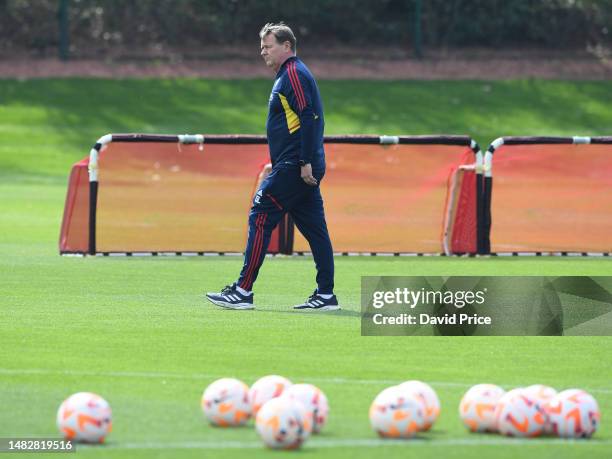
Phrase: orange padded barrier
[552,198]
[75,230]
[165,196]
[387,198]
[460,224]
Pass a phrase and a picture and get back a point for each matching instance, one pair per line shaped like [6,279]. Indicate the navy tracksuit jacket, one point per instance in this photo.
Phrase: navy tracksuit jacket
[295,133]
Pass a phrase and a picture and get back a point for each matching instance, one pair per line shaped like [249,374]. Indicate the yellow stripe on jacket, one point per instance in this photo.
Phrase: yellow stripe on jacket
[293,122]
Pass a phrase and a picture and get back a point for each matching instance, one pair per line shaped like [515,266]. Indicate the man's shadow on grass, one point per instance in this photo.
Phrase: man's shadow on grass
[341,312]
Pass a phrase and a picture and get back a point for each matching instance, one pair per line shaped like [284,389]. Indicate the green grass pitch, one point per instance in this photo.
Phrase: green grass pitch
[138,332]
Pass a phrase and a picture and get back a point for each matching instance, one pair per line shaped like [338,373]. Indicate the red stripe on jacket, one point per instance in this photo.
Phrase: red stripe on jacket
[296,85]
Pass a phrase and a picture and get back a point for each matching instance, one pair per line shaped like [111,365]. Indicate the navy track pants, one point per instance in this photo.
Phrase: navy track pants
[281,192]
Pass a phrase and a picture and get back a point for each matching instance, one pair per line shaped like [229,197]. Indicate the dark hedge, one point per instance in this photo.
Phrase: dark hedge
[98,26]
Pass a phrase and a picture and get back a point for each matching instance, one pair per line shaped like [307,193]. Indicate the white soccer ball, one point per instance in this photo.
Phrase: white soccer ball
[283,423]
[265,389]
[573,413]
[542,395]
[540,392]
[428,398]
[225,402]
[477,407]
[519,415]
[394,413]
[84,417]
[314,400]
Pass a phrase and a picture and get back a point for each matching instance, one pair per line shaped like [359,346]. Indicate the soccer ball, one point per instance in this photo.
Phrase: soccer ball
[265,389]
[542,395]
[428,397]
[477,407]
[573,413]
[540,392]
[394,413]
[519,415]
[84,417]
[283,423]
[314,400]
[226,402]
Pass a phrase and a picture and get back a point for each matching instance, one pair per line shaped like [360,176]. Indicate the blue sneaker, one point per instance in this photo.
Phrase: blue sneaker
[231,298]
[317,303]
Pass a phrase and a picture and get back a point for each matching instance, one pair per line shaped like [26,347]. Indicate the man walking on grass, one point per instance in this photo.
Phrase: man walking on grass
[295,138]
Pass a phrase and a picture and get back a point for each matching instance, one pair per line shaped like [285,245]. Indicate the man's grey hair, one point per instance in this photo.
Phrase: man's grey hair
[281,31]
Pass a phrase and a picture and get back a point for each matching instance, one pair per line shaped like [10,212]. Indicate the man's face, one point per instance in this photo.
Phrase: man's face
[274,53]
